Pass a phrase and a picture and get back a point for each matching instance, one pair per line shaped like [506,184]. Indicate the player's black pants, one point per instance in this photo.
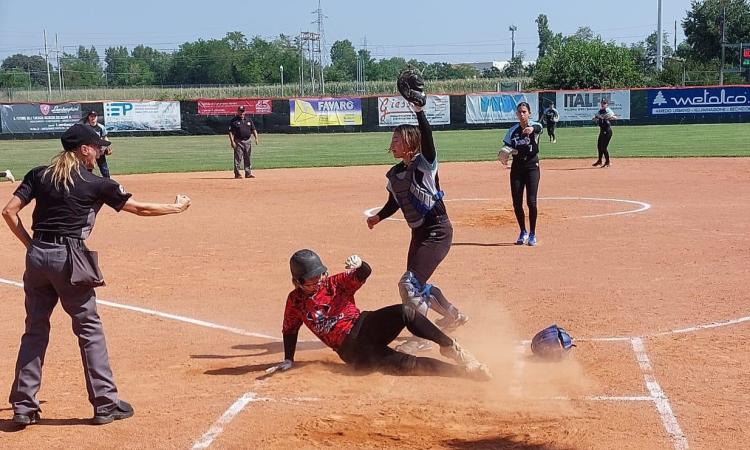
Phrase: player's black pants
[525,175]
[429,245]
[551,130]
[602,143]
[366,346]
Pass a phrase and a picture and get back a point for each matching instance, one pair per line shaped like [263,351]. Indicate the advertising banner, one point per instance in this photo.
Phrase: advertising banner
[38,117]
[323,112]
[394,111]
[699,100]
[497,108]
[141,116]
[228,107]
[583,105]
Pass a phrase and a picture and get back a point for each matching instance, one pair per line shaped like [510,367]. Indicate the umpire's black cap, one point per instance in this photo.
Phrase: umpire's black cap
[241,109]
[80,134]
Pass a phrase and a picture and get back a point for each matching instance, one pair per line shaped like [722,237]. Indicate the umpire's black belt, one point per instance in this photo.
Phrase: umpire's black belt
[53,238]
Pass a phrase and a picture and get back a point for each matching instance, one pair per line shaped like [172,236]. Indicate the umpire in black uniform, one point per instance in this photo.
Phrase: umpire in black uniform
[240,131]
[59,266]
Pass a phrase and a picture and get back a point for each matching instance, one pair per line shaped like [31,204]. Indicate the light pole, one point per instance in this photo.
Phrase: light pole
[512,30]
[658,40]
[281,69]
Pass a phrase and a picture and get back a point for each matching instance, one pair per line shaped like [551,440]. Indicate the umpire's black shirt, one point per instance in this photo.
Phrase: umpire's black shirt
[73,213]
[241,129]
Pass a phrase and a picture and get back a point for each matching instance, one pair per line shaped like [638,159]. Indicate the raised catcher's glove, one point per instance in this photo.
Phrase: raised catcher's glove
[552,343]
[411,86]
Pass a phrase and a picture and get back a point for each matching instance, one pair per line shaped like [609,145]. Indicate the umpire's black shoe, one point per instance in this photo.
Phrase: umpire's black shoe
[22,420]
[122,411]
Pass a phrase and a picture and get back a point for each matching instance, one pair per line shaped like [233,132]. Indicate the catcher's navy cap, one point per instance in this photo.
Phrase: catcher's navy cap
[92,113]
[80,134]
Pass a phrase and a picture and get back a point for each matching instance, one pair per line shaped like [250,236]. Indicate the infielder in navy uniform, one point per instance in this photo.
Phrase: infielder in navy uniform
[241,129]
[91,120]
[59,266]
[414,187]
[522,141]
[604,118]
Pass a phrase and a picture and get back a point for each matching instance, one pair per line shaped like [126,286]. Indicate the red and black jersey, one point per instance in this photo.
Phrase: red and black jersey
[330,313]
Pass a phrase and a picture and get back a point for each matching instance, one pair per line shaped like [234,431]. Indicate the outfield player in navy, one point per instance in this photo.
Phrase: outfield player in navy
[604,118]
[91,120]
[241,129]
[522,141]
[414,187]
[550,116]
[59,266]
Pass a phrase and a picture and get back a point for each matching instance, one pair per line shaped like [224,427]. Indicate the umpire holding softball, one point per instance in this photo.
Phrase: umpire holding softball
[59,266]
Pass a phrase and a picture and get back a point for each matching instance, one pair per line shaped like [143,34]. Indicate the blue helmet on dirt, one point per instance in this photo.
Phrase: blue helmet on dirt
[552,343]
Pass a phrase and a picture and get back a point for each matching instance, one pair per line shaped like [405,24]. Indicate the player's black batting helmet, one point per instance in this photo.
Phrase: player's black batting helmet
[306,264]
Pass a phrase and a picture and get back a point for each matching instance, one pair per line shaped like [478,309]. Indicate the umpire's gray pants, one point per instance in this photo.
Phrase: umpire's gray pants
[242,149]
[46,279]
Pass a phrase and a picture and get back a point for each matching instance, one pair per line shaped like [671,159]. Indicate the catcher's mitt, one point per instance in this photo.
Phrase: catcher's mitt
[552,343]
[411,86]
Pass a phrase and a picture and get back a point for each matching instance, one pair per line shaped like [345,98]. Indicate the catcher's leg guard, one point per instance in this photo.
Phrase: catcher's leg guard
[413,293]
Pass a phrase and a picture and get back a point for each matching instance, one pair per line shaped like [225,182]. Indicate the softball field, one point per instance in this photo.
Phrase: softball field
[645,264]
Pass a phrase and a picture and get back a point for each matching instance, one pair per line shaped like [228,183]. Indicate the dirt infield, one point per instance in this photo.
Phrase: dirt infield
[626,255]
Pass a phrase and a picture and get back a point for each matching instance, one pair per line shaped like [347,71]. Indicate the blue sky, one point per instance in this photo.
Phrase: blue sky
[468,31]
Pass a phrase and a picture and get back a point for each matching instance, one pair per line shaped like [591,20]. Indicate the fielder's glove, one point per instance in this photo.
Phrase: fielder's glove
[552,343]
[411,86]
[353,262]
[504,154]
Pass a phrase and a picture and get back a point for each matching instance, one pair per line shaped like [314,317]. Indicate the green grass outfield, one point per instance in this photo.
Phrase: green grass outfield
[209,153]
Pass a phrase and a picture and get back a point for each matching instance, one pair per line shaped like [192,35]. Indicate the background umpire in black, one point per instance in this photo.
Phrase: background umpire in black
[60,266]
[241,129]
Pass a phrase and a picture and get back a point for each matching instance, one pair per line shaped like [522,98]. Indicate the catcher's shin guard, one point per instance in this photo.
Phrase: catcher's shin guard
[413,293]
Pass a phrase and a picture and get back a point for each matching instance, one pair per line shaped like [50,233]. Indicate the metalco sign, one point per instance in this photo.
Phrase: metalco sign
[712,100]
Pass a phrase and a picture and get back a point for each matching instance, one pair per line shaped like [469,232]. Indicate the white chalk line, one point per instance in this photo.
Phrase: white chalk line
[642,206]
[218,427]
[151,312]
[668,419]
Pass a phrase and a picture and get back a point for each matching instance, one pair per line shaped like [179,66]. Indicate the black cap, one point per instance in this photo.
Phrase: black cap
[241,109]
[92,113]
[80,134]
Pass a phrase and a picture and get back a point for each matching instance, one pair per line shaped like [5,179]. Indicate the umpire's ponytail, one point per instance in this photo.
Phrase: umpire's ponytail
[62,168]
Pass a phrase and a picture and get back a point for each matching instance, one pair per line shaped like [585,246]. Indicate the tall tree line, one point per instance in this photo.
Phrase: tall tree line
[580,60]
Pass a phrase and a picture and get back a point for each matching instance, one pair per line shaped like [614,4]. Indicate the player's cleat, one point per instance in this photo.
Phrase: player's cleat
[414,345]
[22,420]
[448,324]
[532,240]
[250,176]
[478,372]
[522,238]
[606,164]
[597,164]
[458,354]
[237,177]
[10,176]
[123,410]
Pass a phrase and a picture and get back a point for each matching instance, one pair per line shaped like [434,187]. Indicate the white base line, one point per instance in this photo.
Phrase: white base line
[151,312]
[216,429]
[668,418]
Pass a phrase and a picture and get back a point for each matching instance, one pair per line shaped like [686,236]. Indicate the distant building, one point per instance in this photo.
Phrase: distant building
[500,65]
